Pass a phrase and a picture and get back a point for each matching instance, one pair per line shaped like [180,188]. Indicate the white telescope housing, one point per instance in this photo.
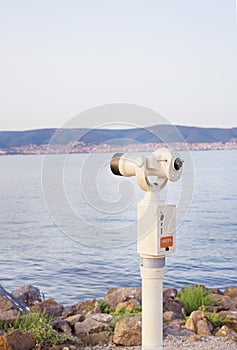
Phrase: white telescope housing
[162,164]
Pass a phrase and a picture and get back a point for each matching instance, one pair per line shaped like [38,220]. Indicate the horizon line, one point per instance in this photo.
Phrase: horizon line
[147,126]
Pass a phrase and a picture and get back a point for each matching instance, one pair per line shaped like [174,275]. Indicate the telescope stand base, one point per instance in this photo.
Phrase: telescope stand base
[152,273]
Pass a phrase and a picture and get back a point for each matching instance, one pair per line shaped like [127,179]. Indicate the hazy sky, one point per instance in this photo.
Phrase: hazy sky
[60,57]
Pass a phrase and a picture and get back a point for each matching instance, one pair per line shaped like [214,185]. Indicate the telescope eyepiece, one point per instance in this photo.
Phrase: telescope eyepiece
[178,163]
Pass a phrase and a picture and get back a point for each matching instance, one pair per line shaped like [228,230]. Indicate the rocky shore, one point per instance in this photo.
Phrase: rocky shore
[115,320]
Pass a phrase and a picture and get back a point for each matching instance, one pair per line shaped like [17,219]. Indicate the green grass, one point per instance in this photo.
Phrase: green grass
[193,297]
[40,326]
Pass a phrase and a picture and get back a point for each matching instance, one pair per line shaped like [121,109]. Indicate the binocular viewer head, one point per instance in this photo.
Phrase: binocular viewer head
[162,163]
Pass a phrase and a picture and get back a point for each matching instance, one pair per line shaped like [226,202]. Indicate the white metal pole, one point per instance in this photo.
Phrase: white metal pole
[152,273]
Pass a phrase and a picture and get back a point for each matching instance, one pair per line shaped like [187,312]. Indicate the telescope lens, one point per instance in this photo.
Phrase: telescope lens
[178,163]
[114,164]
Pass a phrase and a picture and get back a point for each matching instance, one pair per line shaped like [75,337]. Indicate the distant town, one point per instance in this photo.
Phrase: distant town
[81,147]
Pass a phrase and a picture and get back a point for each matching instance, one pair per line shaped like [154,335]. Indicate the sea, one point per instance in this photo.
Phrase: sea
[69,226]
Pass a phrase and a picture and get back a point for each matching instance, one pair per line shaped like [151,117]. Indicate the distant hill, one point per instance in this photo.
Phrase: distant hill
[190,134]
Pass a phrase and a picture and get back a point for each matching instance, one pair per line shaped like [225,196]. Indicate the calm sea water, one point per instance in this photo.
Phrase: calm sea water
[72,260]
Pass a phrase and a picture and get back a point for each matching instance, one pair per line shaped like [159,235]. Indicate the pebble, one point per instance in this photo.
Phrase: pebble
[181,343]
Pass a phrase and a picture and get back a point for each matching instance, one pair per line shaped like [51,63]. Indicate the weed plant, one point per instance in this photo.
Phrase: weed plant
[215,319]
[193,297]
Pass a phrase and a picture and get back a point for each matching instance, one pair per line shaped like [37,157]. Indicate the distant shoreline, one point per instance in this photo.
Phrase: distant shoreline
[81,148]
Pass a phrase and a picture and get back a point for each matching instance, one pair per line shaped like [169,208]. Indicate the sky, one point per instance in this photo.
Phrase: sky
[58,58]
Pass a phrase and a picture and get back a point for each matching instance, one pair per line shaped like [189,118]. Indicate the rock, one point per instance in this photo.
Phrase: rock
[84,307]
[74,319]
[168,316]
[62,326]
[175,306]
[96,310]
[170,293]
[54,310]
[227,333]
[105,318]
[48,302]
[115,296]
[128,332]
[69,310]
[90,326]
[29,295]
[90,340]
[229,313]
[191,322]
[202,328]
[9,315]
[91,332]
[9,302]
[216,291]
[128,305]
[225,303]
[176,328]
[17,341]
[51,307]
[214,298]
[234,301]
[198,324]
[6,304]
[176,323]
[222,302]
[231,292]
[177,332]
[194,338]
[232,324]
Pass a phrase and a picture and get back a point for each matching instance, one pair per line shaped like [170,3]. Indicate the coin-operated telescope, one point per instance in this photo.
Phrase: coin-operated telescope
[156,231]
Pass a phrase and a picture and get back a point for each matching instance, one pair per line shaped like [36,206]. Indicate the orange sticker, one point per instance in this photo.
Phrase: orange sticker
[167,241]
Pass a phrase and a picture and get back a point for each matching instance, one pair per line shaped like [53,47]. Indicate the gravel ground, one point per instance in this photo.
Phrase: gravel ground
[176,343]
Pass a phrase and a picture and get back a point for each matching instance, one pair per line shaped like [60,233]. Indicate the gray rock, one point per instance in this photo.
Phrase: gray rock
[176,306]
[225,303]
[8,302]
[177,332]
[170,293]
[95,340]
[68,310]
[228,313]
[222,302]
[62,326]
[105,318]
[9,315]
[54,310]
[50,306]
[90,326]
[29,295]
